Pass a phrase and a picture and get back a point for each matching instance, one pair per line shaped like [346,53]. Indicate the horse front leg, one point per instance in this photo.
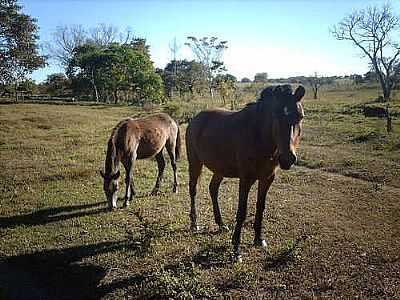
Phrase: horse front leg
[129,186]
[244,188]
[263,187]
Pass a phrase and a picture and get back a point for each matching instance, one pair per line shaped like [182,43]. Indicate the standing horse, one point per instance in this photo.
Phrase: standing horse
[139,138]
[249,144]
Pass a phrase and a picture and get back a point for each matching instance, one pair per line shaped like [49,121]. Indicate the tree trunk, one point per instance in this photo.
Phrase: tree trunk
[96,93]
[315,90]
[211,92]
[16,91]
[115,96]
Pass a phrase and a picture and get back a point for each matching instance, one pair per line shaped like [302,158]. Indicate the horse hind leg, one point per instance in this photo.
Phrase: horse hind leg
[213,188]
[170,149]
[161,168]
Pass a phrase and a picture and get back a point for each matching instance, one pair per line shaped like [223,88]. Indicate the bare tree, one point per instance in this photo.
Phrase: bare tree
[208,51]
[371,30]
[315,83]
[103,34]
[65,40]
[174,48]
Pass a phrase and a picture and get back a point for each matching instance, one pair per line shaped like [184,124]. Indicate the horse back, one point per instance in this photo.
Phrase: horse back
[228,143]
[149,135]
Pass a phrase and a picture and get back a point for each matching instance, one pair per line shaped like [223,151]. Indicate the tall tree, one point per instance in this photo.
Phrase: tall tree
[188,79]
[371,31]
[315,82]
[117,67]
[261,77]
[19,54]
[208,51]
[68,37]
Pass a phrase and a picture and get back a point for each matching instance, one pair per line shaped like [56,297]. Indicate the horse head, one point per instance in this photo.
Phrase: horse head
[110,187]
[287,114]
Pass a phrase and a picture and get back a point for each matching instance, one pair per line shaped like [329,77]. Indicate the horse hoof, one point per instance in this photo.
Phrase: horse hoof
[260,243]
[194,228]
[237,259]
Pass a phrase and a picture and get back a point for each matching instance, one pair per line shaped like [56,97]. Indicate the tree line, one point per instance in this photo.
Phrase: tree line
[103,63]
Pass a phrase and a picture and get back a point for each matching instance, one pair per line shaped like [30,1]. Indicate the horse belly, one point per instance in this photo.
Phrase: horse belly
[220,158]
[149,146]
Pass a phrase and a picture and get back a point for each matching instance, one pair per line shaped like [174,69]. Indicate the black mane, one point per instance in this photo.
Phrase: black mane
[267,93]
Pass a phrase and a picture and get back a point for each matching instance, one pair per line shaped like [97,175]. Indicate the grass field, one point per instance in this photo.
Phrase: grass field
[332,222]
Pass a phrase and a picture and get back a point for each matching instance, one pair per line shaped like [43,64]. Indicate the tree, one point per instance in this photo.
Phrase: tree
[315,83]
[261,77]
[89,58]
[66,38]
[208,51]
[371,31]
[19,53]
[225,85]
[245,80]
[56,84]
[115,68]
[184,76]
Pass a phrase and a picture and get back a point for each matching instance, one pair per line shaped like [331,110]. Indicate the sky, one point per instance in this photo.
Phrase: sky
[283,38]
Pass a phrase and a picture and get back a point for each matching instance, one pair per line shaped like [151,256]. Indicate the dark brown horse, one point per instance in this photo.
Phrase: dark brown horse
[139,138]
[249,144]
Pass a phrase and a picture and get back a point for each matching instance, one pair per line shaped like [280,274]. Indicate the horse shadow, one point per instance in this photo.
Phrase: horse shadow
[63,274]
[52,214]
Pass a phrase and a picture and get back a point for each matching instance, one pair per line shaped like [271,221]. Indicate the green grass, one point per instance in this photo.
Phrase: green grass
[332,223]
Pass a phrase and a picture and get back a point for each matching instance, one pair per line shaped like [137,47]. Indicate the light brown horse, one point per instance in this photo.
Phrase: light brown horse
[248,144]
[140,138]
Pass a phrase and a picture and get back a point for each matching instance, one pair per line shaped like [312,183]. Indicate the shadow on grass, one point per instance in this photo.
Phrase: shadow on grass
[285,256]
[62,274]
[213,257]
[53,214]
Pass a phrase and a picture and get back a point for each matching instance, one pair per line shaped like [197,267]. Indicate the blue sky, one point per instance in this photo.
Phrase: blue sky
[283,38]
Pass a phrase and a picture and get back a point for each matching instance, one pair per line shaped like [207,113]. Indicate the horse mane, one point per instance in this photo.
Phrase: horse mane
[111,148]
[267,94]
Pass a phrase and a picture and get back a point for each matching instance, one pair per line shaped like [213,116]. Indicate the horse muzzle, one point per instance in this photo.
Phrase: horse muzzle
[285,162]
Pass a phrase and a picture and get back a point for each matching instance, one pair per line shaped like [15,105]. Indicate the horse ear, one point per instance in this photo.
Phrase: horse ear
[299,93]
[115,176]
[267,93]
[102,174]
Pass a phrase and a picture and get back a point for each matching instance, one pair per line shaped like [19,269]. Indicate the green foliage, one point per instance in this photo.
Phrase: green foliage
[261,77]
[117,68]
[18,43]
[208,51]
[184,77]
[182,111]
[177,282]
[57,84]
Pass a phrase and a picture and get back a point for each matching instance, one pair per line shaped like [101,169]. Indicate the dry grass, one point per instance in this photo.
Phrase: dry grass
[332,223]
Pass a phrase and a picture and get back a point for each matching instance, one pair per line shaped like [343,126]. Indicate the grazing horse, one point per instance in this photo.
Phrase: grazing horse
[248,144]
[140,138]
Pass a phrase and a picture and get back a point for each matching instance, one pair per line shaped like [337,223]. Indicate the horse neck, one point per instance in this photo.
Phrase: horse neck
[111,164]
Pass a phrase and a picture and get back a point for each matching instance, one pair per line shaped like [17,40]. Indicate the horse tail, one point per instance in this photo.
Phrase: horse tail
[178,143]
